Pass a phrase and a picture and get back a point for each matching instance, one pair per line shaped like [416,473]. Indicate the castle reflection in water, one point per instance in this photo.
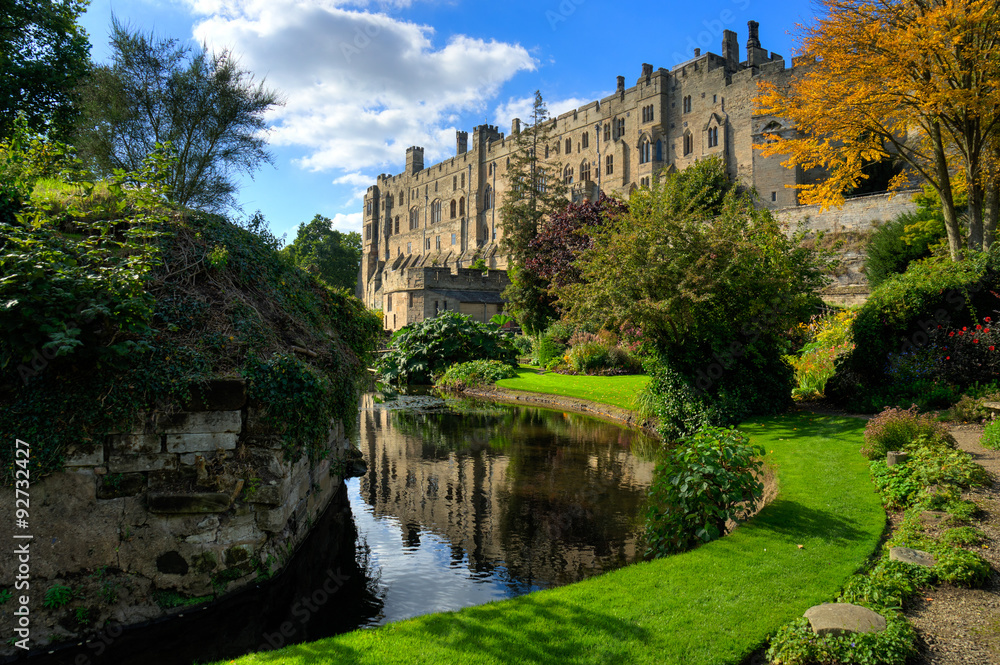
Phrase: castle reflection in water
[550,497]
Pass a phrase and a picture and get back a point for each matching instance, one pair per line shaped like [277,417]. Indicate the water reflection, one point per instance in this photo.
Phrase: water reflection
[469,502]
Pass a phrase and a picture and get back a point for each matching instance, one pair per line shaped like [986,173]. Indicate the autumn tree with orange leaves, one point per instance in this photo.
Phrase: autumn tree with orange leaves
[912,80]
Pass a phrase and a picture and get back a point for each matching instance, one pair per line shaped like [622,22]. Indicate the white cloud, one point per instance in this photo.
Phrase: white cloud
[360,86]
[347,221]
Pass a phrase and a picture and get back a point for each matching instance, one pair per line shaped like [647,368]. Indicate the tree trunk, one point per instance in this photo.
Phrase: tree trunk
[943,187]
[992,212]
[975,190]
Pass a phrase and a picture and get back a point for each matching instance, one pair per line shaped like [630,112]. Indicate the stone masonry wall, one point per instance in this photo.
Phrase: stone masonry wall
[188,505]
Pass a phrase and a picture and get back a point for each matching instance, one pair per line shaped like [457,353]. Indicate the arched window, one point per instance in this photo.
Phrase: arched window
[488,198]
[644,152]
[397,224]
[687,104]
[568,175]
[461,206]
[713,137]
[454,207]
[435,212]
[659,150]
[688,143]
[584,170]
[414,218]
[607,132]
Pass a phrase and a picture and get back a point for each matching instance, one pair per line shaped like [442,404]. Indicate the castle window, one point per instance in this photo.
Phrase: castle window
[409,247]
[487,198]
[620,127]
[715,99]
[687,104]
[452,238]
[508,162]
[569,146]
[688,143]
[463,181]
[437,242]
[713,137]
[586,140]
[454,182]
[461,206]
[454,206]
[607,132]
[435,212]
[427,244]
[644,152]
[414,219]
[546,152]
[568,175]
[435,186]
[397,224]
[659,150]
[388,303]
[543,181]
[411,298]
[584,171]
[369,208]
[368,231]
[774,196]
[609,165]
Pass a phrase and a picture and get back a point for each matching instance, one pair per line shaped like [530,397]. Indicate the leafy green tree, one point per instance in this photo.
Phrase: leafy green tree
[331,255]
[43,54]
[535,191]
[157,91]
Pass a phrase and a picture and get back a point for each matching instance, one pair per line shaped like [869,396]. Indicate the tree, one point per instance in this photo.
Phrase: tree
[331,255]
[534,191]
[915,80]
[156,91]
[43,54]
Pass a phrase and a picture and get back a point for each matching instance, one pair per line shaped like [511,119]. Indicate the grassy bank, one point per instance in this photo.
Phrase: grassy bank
[715,604]
[617,391]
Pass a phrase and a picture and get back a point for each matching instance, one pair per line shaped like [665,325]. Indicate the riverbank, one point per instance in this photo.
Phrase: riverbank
[713,605]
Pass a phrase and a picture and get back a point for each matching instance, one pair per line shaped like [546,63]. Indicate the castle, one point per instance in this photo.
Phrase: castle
[425,227]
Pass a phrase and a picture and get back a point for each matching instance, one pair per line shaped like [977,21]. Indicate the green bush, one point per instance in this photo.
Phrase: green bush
[796,644]
[701,483]
[475,373]
[887,586]
[589,357]
[905,325]
[963,536]
[547,349]
[898,429]
[421,350]
[896,484]
[961,567]
[523,345]
[888,251]
[991,436]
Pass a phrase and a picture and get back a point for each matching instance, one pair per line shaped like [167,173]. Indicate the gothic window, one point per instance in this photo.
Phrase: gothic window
[368,231]
[713,137]
[688,143]
[584,170]
[543,181]
[427,244]
[368,209]
[586,140]
[414,219]
[659,150]
[437,242]
[388,303]
[687,104]
[546,152]
[488,198]
[397,225]
[607,132]
[463,181]
[609,165]
[644,152]
[454,208]
[409,247]
[452,238]
[435,212]
[461,206]
[569,146]
[568,175]
[620,127]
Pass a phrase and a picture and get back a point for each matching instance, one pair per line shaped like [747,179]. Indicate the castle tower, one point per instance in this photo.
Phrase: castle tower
[461,143]
[731,51]
[414,160]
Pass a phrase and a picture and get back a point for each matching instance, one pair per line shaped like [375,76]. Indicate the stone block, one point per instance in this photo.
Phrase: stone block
[274,520]
[839,618]
[265,442]
[134,444]
[240,529]
[218,395]
[201,442]
[911,556]
[189,459]
[894,457]
[140,463]
[268,495]
[934,517]
[195,502]
[202,422]
[83,455]
[117,485]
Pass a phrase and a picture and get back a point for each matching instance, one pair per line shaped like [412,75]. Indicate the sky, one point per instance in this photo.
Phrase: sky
[362,81]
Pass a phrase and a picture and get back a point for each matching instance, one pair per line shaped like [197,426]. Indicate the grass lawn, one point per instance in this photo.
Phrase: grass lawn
[715,604]
[615,390]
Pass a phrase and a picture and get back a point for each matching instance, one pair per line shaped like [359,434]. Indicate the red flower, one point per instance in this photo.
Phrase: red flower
[987,319]
[947,357]
[978,327]
[991,348]
[975,341]
[964,328]
[987,331]
[951,334]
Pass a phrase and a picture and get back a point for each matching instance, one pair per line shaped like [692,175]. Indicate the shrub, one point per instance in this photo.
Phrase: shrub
[887,586]
[547,349]
[589,357]
[796,644]
[698,486]
[962,567]
[991,436]
[963,536]
[888,253]
[898,429]
[895,483]
[827,338]
[475,373]
[57,596]
[673,401]
[523,345]
[420,350]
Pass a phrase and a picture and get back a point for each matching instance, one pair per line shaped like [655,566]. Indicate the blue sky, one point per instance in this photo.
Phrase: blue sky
[364,80]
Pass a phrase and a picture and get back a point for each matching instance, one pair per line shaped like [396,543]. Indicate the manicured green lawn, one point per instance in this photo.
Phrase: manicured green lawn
[715,604]
[615,390]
